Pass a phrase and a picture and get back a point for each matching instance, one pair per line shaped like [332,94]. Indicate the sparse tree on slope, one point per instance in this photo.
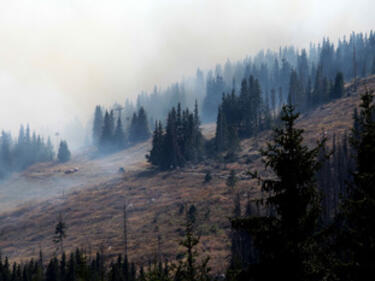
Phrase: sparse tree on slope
[98,125]
[356,242]
[119,136]
[60,233]
[64,153]
[283,239]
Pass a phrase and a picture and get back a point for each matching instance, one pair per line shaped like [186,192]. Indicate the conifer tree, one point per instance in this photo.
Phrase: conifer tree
[143,129]
[60,233]
[119,136]
[356,241]
[64,153]
[106,139]
[155,156]
[338,88]
[283,240]
[191,269]
[97,125]
[221,132]
[171,151]
[139,130]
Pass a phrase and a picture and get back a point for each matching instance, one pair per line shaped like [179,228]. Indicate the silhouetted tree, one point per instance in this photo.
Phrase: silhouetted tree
[64,153]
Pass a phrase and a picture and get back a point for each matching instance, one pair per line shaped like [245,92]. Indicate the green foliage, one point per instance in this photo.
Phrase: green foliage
[355,243]
[60,233]
[283,239]
[64,154]
[18,154]
[119,135]
[191,268]
[97,125]
[139,130]
[180,142]
[207,177]
[241,116]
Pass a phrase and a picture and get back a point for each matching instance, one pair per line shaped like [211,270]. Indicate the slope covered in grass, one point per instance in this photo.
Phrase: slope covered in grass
[94,196]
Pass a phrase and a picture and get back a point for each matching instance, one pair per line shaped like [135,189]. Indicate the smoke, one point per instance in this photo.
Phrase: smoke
[58,59]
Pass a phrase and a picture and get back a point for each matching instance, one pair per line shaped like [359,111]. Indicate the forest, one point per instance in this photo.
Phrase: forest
[292,229]
[27,149]
[314,68]
[245,97]
[313,217]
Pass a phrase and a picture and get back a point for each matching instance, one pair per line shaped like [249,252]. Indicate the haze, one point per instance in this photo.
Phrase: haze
[60,58]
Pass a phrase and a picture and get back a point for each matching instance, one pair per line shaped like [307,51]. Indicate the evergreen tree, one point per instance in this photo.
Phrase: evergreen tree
[155,156]
[106,140]
[207,177]
[143,130]
[190,269]
[60,233]
[119,136]
[181,142]
[215,87]
[338,88]
[97,125]
[64,153]
[221,135]
[284,239]
[172,156]
[356,241]
[5,154]
[139,130]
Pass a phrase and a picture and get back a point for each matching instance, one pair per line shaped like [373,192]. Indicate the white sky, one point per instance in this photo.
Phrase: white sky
[58,58]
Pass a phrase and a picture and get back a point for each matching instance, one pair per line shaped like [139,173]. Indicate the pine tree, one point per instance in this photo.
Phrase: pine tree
[356,241]
[143,130]
[5,154]
[294,89]
[317,94]
[190,269]
[119,136]
[139,130]
[97,125]
[283,240]
[207,177]
[106,139]
[338,88]
[64,153]
[155,156]
[52,273]
[221,132]
[60,233]
[172,157]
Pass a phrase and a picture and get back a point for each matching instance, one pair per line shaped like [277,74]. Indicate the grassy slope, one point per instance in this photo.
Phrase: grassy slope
[93,208]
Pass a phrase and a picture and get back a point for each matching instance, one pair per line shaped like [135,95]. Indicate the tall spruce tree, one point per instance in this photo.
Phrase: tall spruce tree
[356,241]
[97,125]
[139,130]
[106,139]
[283,238]
[60,233]
[338,88]
[119,136]
[143,129]
[155,156]
[64,152]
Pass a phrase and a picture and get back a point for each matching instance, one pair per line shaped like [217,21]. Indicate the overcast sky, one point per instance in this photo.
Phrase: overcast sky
[58,58]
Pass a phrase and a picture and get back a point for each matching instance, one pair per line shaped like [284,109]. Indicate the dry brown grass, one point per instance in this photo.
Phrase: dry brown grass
[93,207]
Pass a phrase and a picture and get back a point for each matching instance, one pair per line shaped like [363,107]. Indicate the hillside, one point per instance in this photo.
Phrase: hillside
[94,196]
